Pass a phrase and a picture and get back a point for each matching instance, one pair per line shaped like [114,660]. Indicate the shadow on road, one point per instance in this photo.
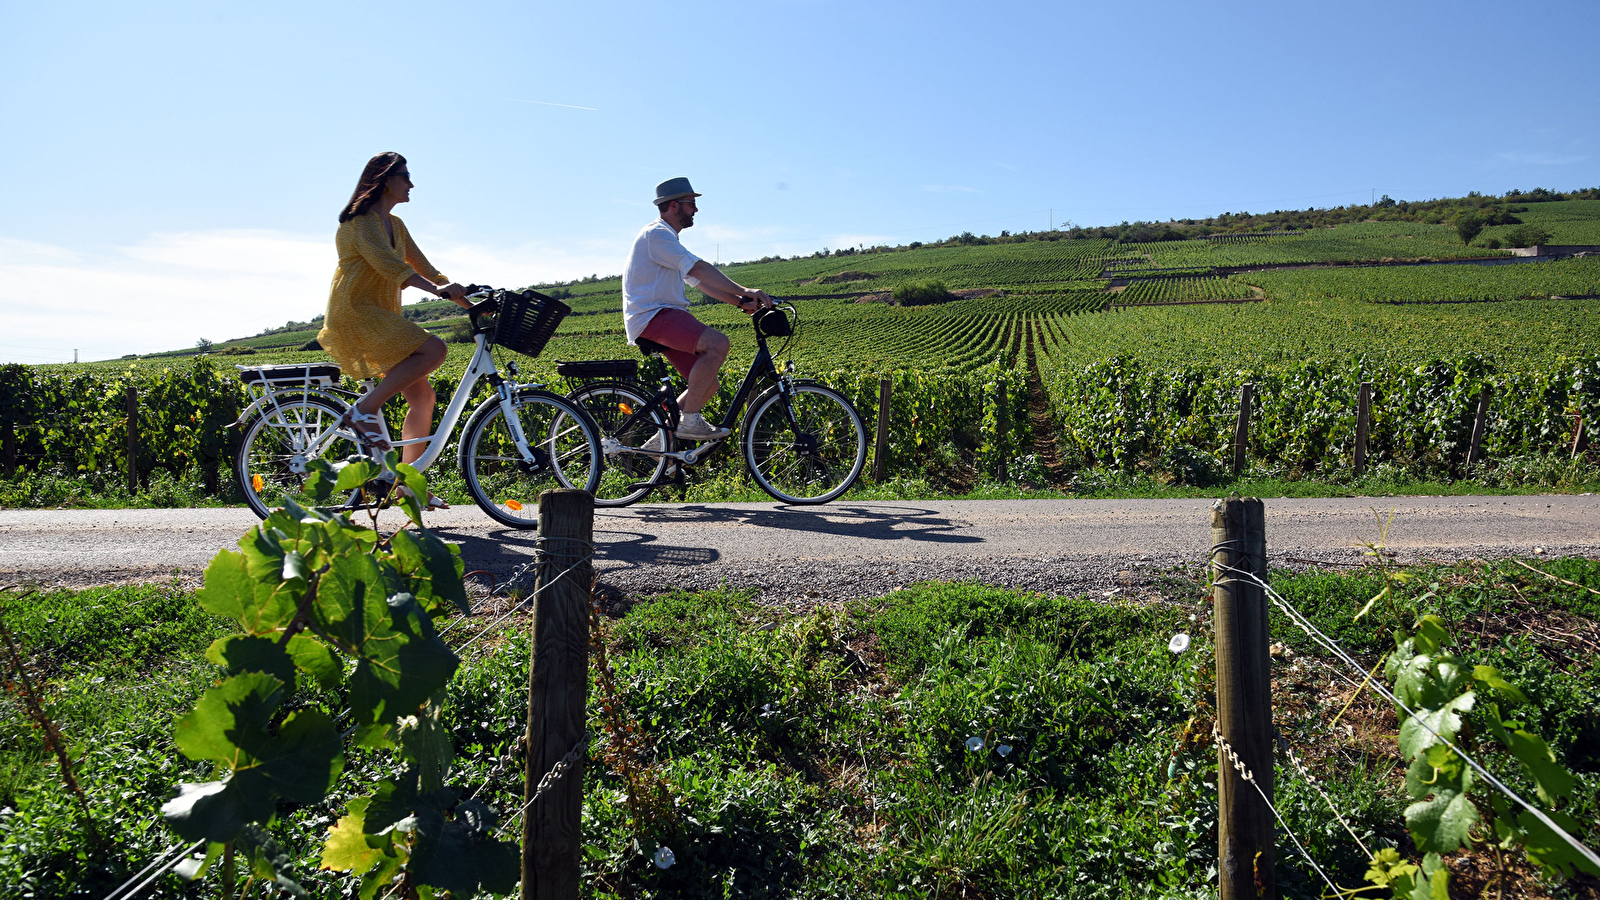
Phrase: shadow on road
[892,523]
[616,542]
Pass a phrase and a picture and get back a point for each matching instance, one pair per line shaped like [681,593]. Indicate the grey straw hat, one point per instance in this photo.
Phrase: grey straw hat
[673,189]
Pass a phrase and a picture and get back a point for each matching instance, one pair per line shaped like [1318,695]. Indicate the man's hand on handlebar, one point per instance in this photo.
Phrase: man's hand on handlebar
[755,301]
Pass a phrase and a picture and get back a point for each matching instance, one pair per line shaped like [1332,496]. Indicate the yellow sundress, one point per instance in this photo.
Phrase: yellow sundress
[364,331]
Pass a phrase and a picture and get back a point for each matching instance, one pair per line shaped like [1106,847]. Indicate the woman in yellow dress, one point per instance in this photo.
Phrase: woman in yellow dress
[364,331]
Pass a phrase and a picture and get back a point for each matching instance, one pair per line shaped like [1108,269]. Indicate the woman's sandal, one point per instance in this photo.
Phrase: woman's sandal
[434,500]
[368,428]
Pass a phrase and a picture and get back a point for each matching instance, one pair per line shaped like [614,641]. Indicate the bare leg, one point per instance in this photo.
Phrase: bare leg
[420,401]
[410,377]
[712,350]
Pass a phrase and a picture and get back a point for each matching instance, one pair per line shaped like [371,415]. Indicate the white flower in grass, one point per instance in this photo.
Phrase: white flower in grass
[1004,750]
[664,858]
[975,744]
[1179,643]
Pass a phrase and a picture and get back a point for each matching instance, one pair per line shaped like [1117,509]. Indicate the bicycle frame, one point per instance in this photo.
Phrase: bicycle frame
[762,370]
[479,367]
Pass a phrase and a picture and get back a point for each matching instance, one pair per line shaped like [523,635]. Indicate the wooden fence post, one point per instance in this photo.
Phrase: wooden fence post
[1363,420]
[8,449]
[1577,437]
[1241,433]
[558,694]
[133,439]
[1244,699]
[880,452]
[1475,449]
[1002,423]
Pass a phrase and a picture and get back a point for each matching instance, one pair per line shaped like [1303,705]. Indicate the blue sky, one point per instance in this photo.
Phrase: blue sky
[174,170]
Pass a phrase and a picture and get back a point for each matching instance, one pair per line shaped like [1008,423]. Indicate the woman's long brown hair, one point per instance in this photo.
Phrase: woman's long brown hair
[370,187]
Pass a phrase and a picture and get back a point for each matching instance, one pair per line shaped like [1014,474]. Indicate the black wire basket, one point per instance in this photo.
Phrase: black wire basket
[527,320]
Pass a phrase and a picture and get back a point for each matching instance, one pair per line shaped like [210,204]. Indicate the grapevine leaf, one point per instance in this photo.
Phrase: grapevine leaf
[194,867]
[434,569]
[1491,676]
[342,595]
[215,810]
[416,491]
[1431,634]
[449,857]
[380,881]
[458,863]
[1548,849]
[263,551]
[356,474]
[347,848]
[402,662]
[1435,881]
[242,704]
[1550,778]
[1423,730]
[1443,823]
[319,483]
[315,659]
[1387,867]
[247,653]
[231,591]
[230,724]
[425,743]
[294,567]
[268,860]
[395,799]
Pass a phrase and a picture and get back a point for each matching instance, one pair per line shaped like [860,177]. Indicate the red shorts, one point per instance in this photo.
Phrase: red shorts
[679,332]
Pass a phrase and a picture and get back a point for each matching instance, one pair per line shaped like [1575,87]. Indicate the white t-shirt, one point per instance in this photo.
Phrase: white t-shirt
[653,280]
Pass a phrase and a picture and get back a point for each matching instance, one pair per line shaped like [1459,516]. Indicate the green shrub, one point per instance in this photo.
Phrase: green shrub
[1527,236]
[921,292]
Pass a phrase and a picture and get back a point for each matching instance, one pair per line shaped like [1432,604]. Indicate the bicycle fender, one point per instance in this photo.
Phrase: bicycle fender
[283,397]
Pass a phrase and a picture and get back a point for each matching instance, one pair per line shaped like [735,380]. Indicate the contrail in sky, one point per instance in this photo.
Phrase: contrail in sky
[546,103]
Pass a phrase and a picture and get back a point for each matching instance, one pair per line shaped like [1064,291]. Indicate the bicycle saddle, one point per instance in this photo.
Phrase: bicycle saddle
[648,347]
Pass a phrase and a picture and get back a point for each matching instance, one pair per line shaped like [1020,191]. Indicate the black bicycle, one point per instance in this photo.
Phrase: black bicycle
[803,442]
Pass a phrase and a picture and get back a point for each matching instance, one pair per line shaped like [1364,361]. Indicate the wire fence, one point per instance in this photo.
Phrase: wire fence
[1363,680]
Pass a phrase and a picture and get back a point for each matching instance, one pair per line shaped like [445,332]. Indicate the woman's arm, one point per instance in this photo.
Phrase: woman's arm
[426,277]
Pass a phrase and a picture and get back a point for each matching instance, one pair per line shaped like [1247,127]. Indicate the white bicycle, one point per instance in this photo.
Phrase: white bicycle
[521,441]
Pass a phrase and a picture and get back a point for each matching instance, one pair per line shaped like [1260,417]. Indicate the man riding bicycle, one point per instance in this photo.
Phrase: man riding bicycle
[655,308]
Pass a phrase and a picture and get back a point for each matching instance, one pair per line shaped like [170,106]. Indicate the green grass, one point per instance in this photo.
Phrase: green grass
[827,755]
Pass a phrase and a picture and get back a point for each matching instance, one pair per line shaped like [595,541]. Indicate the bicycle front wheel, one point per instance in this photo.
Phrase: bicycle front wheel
[558,447]
[628,476]
[806,445]
[279,443]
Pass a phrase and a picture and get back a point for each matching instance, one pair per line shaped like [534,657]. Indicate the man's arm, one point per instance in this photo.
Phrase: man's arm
[718,286]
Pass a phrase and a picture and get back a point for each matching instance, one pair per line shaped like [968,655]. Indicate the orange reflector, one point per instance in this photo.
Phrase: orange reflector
[626,409]
[514,505]
[256,482]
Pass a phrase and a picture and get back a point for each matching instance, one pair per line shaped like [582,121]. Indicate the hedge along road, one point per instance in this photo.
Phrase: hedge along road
[844,549]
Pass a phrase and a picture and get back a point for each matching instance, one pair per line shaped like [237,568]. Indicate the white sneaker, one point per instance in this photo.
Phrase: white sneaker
[656,444]
[694,427]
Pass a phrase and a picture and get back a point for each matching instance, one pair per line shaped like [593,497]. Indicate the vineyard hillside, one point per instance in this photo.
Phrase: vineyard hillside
[1052,355]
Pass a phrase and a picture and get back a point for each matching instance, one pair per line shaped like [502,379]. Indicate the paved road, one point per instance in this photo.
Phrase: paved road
[850,548]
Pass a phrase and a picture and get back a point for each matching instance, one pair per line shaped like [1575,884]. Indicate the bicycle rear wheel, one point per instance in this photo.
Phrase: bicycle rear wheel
[280,441]
[505,477]
[627,476]
[804,446]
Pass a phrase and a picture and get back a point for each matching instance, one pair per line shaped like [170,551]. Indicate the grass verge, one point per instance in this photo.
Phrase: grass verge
[946,740]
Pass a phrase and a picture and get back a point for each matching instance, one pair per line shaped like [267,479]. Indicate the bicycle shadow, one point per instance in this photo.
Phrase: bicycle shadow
[501,551]
[859,521]
[617,544]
